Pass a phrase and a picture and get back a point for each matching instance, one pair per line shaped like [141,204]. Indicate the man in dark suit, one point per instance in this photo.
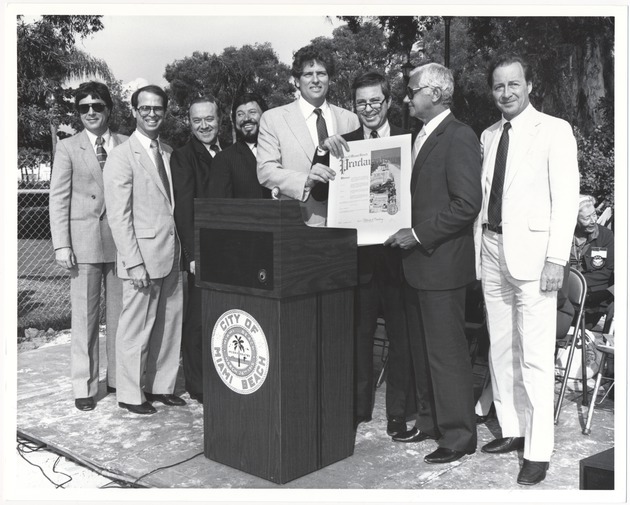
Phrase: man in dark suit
[234,169]
[191,167]
[83,240]
[438,262]
[140,206]
[380,275]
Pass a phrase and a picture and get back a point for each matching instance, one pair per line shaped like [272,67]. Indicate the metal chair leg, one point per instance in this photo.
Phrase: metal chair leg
[591,408]
[381,375]
[565,377]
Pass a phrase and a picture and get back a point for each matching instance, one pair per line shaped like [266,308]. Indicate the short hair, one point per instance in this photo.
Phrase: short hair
[246,98]
[437,76]
[371,78]
[507,59]
[312,53]
[151,88]
[586,200]
[206,99]
[95,90]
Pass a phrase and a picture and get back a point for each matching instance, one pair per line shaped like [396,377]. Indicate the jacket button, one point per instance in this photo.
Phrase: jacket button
[100,218]
[93,197]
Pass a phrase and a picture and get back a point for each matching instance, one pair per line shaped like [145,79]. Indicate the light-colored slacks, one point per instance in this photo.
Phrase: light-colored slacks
[86,280]
[522,327]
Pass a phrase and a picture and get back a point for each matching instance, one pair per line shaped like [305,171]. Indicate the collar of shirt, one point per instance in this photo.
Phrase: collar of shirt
[383,131]
[518,121]
[307,109]
[252,147]
[311,118]
[107,139]
[146,141]
[432,125]
[213,153]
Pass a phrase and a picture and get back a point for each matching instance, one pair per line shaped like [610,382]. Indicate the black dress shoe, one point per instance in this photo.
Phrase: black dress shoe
[196,396]
[85,403]
[532,472]
[413,435]
[171,400]
[145,408]
[111,389]
[482,419]
[503,445]
[444,455]
[396,425]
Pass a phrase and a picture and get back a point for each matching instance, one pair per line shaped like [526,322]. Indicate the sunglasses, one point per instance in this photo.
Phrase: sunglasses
[84,108]
[411,92]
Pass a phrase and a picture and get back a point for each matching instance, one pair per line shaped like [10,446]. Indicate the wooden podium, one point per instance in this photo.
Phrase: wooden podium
[278,324]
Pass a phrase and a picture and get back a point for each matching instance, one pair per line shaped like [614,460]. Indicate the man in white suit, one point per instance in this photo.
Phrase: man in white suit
[291,134]
[523,237]
[139,197]
[83,242]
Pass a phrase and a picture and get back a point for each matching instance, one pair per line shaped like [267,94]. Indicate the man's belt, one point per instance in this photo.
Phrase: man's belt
[491,227]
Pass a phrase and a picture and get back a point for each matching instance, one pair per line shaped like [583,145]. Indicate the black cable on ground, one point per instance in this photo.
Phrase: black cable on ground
[165,467]
[27,447]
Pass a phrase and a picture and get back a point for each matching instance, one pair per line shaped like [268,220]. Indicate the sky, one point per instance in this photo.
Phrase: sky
[140,47]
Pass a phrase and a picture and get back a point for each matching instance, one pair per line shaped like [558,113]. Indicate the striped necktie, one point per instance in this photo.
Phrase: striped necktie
[101,153]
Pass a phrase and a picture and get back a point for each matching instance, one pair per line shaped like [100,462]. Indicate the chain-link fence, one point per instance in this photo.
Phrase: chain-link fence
[43,286]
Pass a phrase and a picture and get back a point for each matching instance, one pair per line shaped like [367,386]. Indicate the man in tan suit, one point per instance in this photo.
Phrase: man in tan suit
[82,239]
[138,192]
[290,135]
[523,237]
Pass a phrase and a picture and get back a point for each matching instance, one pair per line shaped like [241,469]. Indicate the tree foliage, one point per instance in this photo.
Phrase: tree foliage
[47,59]
[235,71]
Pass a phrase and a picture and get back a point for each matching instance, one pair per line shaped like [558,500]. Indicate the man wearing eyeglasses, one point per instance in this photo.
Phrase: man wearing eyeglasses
[191,166]
[139,196]
[289,135]
[380,275]
[438,262]
[83,241]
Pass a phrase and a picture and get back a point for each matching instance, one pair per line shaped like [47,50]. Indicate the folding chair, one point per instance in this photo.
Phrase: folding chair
[577,296]
[608,352]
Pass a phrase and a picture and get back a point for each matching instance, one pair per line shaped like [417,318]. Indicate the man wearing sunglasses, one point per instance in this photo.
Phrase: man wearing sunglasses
[438,262]
[139,196]
[83,241]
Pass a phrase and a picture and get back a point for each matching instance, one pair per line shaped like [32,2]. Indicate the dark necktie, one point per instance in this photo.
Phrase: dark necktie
[159,163]
[101,153]
[322,131]
[496,193]
[214,148]
[374,134]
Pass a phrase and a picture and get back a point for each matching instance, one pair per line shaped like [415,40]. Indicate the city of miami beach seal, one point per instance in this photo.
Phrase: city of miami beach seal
[240,352]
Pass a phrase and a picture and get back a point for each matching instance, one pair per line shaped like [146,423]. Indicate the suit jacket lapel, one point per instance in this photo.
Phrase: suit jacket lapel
[143,159]
[428,146]
[518,156]
[90,160]
[297,125]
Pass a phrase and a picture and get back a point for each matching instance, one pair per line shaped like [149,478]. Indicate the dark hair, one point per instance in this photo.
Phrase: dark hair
[95,90]
[312,53]
[206,99]
[507,59]
[371,78]
[246,98]
[151,88]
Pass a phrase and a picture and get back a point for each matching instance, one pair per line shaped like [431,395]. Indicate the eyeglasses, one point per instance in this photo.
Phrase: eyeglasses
[375,105]
[84,108]
[411,92]
[145,110]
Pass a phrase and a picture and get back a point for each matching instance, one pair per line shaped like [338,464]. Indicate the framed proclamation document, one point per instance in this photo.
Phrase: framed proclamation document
[371,191]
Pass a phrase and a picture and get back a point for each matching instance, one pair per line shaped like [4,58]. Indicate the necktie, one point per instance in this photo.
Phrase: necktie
[214,149]
[101,153]
[322,131]
[374,134]
[159,163]
[417,145]
[496,193]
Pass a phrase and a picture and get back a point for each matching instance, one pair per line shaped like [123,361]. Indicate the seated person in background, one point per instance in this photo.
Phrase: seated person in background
[592,253]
